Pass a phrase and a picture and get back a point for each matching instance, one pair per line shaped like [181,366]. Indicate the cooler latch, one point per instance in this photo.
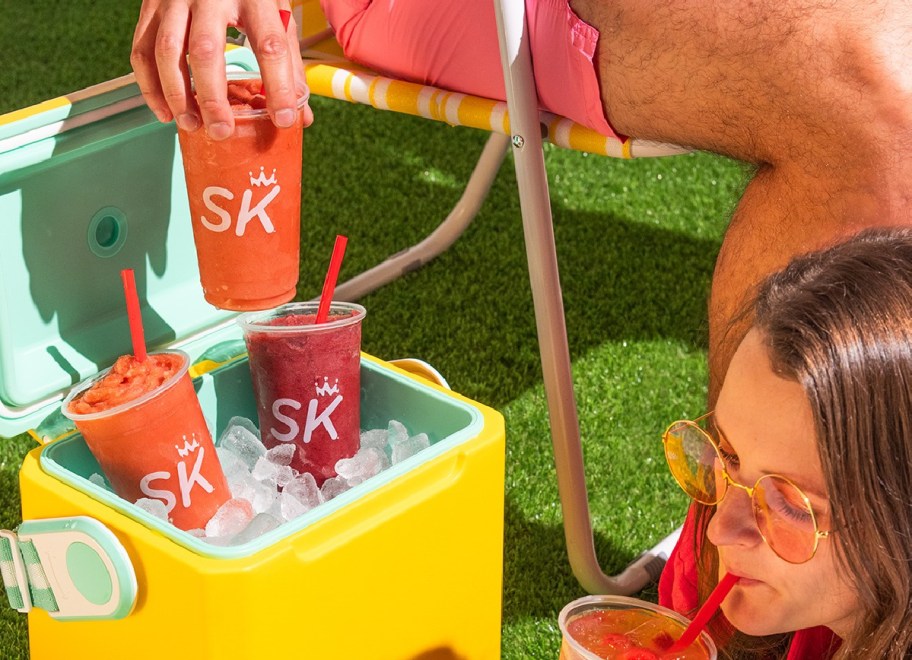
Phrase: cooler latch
[74,568]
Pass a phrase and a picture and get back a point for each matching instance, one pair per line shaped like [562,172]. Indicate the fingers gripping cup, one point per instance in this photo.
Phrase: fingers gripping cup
[143,423]
[307,381]
[245,203]
[619,628]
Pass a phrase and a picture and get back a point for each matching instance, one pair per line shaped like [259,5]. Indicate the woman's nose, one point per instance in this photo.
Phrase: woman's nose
[733,522]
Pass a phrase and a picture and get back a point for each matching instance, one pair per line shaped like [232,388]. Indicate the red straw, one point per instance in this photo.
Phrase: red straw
[706,613]
[329,284]
[134,316]
[284,14]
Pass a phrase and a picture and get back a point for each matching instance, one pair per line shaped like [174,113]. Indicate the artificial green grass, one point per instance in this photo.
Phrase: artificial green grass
[636,243]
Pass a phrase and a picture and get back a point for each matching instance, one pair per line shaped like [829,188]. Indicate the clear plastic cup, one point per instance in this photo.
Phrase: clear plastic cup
[607,627]
[307,381]
[154,443]
[245,204]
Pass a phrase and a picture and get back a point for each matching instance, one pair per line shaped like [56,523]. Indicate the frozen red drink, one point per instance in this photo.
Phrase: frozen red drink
[143,423]
[245,203]
[307,381]
[619,628]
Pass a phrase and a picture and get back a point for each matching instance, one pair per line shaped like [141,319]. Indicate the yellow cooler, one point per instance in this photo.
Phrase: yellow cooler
[407,564]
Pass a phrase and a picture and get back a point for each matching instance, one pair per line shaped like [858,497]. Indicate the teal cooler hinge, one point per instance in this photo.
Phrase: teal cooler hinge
[74,568]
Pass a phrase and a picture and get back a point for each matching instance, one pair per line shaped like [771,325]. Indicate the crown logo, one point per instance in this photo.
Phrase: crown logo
[188,447]
[326,389]
[262,179]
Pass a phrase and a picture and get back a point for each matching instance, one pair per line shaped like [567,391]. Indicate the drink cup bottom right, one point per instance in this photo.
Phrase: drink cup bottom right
[611,627]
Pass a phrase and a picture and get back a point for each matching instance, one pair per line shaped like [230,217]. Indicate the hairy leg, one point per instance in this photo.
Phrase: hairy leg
[815,93]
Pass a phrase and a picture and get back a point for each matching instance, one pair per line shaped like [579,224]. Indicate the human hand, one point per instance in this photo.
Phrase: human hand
[169,30]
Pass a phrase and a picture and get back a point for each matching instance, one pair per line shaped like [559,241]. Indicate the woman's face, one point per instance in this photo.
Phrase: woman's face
[767,427]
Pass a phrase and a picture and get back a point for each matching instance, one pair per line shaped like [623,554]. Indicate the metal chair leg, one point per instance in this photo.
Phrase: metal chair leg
[443,236]
[549,317]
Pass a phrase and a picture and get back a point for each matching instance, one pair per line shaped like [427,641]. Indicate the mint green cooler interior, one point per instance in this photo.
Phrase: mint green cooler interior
[90,184]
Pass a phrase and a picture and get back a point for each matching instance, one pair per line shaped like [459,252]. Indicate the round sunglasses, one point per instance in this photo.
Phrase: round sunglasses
[782,512]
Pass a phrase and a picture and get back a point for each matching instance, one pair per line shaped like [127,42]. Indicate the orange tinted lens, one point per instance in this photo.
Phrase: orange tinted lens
[692,459]
[785,518]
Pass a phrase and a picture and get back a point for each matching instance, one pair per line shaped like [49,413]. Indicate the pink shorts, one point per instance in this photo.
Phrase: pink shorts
[453,44]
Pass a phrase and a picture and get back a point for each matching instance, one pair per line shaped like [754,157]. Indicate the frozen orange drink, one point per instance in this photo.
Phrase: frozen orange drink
[619,628]
[245,203]
[143,423]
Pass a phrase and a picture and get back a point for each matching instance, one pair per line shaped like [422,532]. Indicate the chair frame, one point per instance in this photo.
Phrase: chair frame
[525,139]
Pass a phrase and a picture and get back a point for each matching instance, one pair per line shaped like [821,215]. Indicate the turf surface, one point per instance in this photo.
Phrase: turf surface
[636,243]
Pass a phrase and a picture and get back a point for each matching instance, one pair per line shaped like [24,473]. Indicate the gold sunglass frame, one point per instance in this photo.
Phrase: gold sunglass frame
[695,424]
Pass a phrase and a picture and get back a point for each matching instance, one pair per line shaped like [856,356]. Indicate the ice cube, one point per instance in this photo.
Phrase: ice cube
[99,480]
[374,438]
[153,507]
[232,464]
[363,465]
[242,439]
[304,488]
[240,485]
[272,474]
[288,507]
[197,533]
[261,523]
[233,516]
[220,541]
[285,476]
[246,423]
[264,469]
[281,454]
[397,432]
[332,487]
[263,497]
[410,447]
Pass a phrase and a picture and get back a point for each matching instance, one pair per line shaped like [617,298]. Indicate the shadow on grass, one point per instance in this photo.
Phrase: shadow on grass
[469,312]
[538,580]
[481,332]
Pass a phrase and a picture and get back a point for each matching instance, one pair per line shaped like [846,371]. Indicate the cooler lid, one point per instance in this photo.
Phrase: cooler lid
[91,183]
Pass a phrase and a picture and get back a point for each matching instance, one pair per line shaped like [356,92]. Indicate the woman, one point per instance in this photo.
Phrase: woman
[804,469]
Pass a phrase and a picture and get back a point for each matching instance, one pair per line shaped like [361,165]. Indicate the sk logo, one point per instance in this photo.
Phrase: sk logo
[185,481]
[315,418]
[248,210]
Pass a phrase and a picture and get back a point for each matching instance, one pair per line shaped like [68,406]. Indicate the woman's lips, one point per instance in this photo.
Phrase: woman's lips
[743,580]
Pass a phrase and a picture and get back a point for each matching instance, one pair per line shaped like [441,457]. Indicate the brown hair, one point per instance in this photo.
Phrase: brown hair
[839,322]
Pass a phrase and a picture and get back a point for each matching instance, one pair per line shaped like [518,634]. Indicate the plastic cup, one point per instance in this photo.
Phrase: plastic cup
[307,381]
[607,627]
[157,445]
[245,205]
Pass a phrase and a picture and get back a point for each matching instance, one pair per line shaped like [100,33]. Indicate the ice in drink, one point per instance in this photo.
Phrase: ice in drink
[245,203]
[619,628]
[307,382]
[143,423]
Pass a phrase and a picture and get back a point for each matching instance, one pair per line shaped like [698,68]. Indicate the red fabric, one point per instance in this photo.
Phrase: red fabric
[678,582]
[678,591]
[813,644]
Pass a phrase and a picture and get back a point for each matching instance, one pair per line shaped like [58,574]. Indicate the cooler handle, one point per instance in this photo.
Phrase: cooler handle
[15,578]
[421,369]
[75,568]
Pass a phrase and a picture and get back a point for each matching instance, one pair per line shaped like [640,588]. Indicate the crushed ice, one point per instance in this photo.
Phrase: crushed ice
[266,491]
